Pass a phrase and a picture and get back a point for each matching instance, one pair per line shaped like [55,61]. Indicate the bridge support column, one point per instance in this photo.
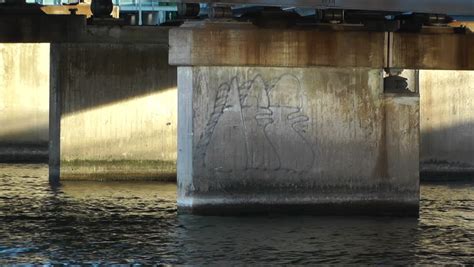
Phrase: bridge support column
[113,106]
[279,135]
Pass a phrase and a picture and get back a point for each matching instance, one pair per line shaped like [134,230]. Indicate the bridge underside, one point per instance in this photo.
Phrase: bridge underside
[455,7]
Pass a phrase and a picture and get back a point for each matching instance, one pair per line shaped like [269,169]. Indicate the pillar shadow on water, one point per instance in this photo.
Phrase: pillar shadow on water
[298,240]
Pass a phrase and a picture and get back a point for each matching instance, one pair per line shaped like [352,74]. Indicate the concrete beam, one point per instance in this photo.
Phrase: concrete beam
[235,44]
[74,29]
[433,51]
[39,28]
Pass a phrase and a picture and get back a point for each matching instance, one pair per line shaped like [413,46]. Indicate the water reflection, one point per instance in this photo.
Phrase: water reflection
[299,240]
[94,222]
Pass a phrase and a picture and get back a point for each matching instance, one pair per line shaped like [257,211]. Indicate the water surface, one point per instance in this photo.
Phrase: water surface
[118,222]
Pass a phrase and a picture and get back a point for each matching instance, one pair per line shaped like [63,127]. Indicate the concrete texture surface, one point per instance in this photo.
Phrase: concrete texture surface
[447,123]
[30,28]
[113,97]
[242,44]
[24,107]
[441,51]
[113,112]
[305,139]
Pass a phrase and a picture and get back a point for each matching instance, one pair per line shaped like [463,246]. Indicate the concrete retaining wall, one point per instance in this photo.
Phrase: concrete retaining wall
[447,123]
[114,107]
[302,138]
[24,102]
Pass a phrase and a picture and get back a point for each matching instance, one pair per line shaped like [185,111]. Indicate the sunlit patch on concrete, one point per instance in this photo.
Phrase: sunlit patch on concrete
[24,92]
[134,138]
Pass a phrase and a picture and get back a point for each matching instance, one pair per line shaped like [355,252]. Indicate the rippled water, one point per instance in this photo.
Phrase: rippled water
[117,222]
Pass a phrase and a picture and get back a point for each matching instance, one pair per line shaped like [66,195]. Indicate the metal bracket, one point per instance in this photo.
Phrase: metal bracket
[388,50]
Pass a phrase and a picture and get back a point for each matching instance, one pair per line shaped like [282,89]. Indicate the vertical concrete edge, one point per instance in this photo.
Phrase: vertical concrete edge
[185,138]
[55,113]
[402,144]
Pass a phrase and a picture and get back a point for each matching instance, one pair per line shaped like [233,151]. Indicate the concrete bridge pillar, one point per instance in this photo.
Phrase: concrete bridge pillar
[112,96]
[270,121]
[113,106]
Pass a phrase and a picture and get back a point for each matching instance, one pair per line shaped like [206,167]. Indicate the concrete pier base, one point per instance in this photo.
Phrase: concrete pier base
[316,140]
[282,127]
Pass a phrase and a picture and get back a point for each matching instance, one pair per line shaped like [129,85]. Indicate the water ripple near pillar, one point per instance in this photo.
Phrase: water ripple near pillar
[120,222]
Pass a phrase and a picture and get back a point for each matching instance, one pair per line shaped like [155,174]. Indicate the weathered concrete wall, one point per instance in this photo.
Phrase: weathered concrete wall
[24,102]
[317,139]
[117,109]
[112,96]
[447,123]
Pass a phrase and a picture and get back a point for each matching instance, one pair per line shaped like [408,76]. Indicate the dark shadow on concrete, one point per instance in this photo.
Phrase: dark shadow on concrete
[446,176]
[93,75]
[35,27]
[447,154]
[24,152]
[23,139]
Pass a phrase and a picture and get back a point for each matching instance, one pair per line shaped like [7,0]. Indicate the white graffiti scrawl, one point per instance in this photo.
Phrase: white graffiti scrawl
[257,125]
